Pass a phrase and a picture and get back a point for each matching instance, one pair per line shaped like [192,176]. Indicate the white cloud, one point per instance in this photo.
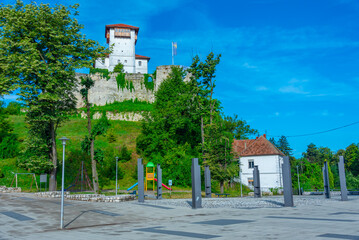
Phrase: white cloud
[261,88]
[292,89]
[247,65]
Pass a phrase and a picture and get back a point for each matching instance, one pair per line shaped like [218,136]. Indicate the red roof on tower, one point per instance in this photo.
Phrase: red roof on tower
[121,25]
[142,57]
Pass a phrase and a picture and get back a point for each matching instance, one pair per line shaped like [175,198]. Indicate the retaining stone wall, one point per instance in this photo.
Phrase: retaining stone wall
[4,189]
[87,197]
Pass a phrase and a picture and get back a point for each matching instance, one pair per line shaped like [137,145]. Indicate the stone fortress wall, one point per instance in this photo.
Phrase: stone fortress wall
[106,90]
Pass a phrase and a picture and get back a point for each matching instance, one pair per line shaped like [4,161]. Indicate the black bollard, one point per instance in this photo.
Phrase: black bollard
[159,182]
[287,183]
[326,180]
[343,183]
[141,187]
[256,182]
[207,182]
[196,184]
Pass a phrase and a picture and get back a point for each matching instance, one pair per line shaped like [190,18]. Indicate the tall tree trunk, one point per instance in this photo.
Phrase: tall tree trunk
[94,169]
[221,184]
[92,149]
[53,156]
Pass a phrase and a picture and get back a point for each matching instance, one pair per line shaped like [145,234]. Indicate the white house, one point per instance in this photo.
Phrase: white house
[266,156]
[123,38]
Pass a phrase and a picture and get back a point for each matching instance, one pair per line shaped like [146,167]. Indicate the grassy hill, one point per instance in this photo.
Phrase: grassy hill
[120,133]
[123,133]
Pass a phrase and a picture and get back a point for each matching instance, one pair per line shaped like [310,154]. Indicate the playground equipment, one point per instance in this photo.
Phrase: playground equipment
[78,184]
[32,179]
[150,175]
[134,185]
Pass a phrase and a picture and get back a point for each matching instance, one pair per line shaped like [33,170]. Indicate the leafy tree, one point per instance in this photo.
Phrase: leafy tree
[8,140]
[118,68]
[352,181]
[273,141]
[99,129]
[283,146]
[218,155]
[172,121]
[125,154]
[13,108]
[326,154]
[40,47]
[351,159]
[171,129]
[239,128]
[312,153]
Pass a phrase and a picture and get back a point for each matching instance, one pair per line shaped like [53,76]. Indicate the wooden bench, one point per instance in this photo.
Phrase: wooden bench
[222,194]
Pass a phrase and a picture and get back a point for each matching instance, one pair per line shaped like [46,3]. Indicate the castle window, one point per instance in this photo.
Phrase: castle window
[118,61]
[125,61]
[139,63]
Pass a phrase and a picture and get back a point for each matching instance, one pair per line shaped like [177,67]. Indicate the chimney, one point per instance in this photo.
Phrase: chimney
[265,135]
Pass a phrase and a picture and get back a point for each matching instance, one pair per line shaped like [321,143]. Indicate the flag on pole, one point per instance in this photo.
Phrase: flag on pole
[174,48]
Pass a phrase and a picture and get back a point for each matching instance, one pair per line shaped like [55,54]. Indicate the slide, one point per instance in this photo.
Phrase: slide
[164,185]
[134,185]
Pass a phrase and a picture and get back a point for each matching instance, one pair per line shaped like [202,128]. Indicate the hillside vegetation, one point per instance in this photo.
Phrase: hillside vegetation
[120,134]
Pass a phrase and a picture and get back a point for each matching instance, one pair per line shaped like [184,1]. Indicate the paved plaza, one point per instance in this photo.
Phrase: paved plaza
[25,216]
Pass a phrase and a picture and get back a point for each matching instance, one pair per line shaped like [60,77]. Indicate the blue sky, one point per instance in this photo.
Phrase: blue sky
[287,67]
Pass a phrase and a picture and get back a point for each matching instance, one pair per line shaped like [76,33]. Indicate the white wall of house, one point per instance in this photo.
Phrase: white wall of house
[141,65]
[103,64]
[270,170]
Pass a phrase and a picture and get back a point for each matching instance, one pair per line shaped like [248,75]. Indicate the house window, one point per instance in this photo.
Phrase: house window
[125,61]
[139,63]
[118,61]
[250,181]
[250,163]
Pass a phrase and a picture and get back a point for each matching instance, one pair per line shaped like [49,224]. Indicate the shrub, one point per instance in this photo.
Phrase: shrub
[9,146]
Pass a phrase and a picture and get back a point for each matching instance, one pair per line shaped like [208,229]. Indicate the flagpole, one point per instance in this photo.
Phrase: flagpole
[173,59]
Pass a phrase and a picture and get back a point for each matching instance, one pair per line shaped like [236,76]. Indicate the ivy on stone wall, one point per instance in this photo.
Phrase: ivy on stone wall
[148,84]
[121,81]
[104,72]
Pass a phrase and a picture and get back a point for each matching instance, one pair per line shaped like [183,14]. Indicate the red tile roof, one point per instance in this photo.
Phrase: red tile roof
[142,57]
[121,25]
[255,147]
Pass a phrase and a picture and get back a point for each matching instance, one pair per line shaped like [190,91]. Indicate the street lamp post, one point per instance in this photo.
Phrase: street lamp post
[240,175]
[299,191]
[63,140]
[116,173]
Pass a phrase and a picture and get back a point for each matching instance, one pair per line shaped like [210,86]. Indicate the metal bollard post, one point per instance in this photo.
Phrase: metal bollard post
[159,182]
[343,183]
[256,182]
[287,183]
[196,184]
[141,187]
[207,182]
[326,180]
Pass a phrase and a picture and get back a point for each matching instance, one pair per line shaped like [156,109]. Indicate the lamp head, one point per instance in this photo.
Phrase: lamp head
[63,140]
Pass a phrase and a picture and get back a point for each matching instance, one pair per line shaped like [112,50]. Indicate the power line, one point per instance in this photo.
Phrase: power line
[316,133]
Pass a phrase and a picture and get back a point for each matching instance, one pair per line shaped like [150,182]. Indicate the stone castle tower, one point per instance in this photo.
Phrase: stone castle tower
[123,38]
